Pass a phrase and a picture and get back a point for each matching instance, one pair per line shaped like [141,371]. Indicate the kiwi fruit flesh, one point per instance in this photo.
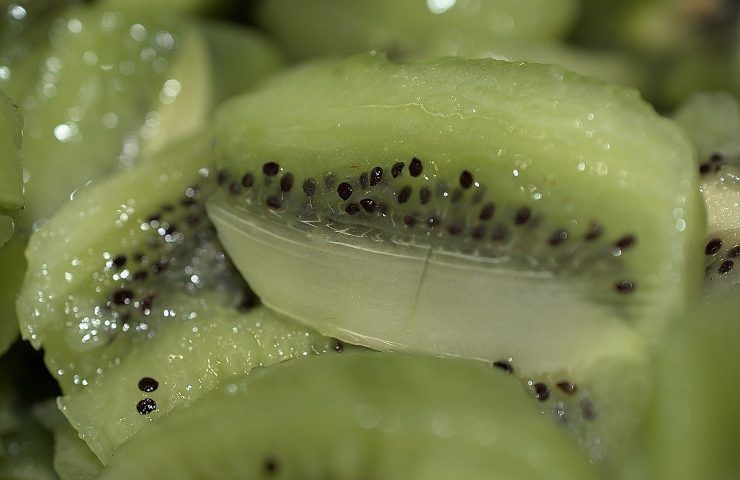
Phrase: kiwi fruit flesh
[712,120]
[11,196]
[108,85]
[407,27]
[695,422]
[374,184]
[139,288]
[361,415]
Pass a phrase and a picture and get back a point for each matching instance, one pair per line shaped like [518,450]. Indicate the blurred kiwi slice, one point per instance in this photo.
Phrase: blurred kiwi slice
[407,28]
[712,120]
[695,423]
[471,208]
[361,415]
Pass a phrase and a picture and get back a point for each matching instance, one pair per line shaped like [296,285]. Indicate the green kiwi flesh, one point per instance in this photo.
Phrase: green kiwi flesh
[359,415]
[533,227]
[407,27]
[110,85]
[129,282]
[695,422]
[712,120]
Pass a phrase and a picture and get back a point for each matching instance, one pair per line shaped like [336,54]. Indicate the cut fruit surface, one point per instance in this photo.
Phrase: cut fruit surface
[471,208]
[138,287]
[361,414]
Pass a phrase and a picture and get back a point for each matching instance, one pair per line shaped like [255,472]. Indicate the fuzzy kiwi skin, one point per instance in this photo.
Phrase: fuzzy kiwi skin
[360,414]
[407,28]
[561,145]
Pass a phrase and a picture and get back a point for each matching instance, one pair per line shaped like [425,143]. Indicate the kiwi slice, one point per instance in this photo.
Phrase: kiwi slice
[361,415]
[695,423]
[507,219]
[713,122]
[12,266]
[110,85]
[407,27]
[138,309]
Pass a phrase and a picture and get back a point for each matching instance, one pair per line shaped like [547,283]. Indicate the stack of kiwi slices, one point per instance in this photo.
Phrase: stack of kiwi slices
[409,239]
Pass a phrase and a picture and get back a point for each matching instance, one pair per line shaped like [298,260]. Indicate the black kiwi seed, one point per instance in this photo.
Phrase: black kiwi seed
[425,195]
[123,297]
[505,366]
[309,187]
[404,194]
[270,466]
[352,208]
[273,202]
[223,177]
[397,169]
[368,204]
[146,406]
[466,179]
[558,237]
[625,286]
[704,168]
[270,169]
[487,211]
[541,391]
[376,174]
[286,183]
[628,241]
[454,229]
[344,190]
[734,251]
[409,221]
[118,262]
[567,387]
[713,246]
[364,180]
[522,216]
[432,222]
[715,157]
[593,233]
[338,346]
[726,267]
[148,384]
[248,180]
[415,167]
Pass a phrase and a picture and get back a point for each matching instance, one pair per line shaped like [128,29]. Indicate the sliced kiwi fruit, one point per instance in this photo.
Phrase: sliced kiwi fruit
[12,266]
[507,219]
[110,85]
[360,415]
[138,289]
[712,120]
[407,27]
[695,422]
